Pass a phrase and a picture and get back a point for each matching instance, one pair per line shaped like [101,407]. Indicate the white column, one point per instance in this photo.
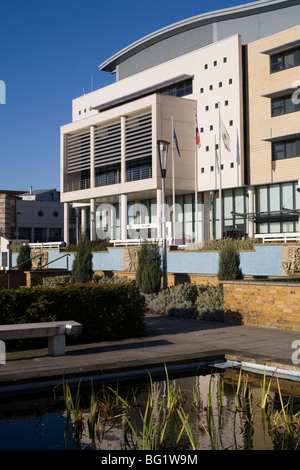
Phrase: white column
[92,219]
[66,223]
[123,216]
[123,150]
[63,163]
[92,157]
[250,211]
[83,220]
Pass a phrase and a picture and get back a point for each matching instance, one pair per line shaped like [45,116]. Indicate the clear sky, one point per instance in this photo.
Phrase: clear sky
[50,51]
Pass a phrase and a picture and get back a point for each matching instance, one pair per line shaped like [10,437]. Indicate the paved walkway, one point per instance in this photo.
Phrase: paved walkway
[167,340]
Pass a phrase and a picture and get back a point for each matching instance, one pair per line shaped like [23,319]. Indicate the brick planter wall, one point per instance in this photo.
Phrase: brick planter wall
[270,304]
[16,279]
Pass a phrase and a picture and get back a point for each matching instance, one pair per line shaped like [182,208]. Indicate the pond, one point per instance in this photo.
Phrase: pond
[213,410]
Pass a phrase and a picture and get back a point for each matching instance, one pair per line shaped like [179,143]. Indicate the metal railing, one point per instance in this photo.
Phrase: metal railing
[106,179]
[78,185]
[278,237]
[138,173]
[39,267]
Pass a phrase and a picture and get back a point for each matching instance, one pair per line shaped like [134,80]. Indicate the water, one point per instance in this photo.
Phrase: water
[42,424]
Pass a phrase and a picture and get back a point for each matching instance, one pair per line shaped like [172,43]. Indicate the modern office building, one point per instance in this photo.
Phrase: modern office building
[208,86]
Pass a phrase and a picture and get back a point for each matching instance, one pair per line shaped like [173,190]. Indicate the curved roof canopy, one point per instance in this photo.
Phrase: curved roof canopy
[196,21]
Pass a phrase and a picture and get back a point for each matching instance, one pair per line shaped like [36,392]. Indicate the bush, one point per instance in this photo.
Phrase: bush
[24,255]
[82,268]
[229,263]
[188,300]
[149,272]
[107,312]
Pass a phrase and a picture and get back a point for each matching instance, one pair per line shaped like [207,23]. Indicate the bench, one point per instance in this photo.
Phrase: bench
[55,332]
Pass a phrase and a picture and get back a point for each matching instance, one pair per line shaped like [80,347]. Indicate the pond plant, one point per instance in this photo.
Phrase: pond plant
[165,419]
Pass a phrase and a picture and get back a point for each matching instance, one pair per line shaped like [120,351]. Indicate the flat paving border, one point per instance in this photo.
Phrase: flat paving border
[167,341]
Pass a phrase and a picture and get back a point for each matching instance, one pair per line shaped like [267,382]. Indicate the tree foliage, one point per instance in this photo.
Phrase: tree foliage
[229,262]
[149,272]
[82,269]
[24,255]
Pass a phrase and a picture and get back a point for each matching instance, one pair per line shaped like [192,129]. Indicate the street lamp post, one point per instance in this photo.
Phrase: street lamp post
[163,147]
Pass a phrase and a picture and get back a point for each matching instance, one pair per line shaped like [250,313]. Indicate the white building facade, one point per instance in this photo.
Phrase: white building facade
[168,86]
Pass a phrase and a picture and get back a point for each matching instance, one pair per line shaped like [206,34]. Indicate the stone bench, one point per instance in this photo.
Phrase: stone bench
[55,332]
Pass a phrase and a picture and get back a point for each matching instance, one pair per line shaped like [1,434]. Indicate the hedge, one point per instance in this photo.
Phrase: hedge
[107,312]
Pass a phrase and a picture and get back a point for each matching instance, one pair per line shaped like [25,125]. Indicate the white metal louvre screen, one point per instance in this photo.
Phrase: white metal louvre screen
[108,145]
[139,136]
[78,152]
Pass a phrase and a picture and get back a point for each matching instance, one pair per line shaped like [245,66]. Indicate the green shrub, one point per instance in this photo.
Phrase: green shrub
[23,256]
[55,281]
[107,311]
[82,268]
[229,262]
[149,272]
[188,300]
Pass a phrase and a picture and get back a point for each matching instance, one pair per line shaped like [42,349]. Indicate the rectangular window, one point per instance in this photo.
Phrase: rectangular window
[286,149]
[285,60]
[179,89]
[284,105]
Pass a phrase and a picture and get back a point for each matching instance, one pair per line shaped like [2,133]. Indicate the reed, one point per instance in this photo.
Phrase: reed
[166,420]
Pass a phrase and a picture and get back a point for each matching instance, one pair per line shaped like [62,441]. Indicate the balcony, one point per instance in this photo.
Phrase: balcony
[78,185]
[138,173]
[105,179]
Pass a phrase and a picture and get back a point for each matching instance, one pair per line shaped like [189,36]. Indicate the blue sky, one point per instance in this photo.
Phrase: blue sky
[49,52]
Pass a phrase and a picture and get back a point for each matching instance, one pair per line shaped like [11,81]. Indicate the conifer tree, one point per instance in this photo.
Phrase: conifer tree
[82,269]
[149,272]
[229,262]
[24,255]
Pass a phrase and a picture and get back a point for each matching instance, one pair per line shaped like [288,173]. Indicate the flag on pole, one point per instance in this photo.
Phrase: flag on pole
[197,134]
[225,136]
[176,143]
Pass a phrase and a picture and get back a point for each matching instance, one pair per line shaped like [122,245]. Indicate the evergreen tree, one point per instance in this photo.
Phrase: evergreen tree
[24,255]
[229,262]
[149,272]
[82,269]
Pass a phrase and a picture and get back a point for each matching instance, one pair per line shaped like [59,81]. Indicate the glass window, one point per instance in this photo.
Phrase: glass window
[274,198]
[288,149]
[262,199]
[228,204]
[285,60]
[277,107]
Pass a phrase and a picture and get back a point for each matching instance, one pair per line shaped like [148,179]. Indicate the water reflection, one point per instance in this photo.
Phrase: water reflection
[224,411]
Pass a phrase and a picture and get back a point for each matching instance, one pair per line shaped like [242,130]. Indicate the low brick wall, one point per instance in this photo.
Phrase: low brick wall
[173,279]
[35,278]
[271,304]
[16,279]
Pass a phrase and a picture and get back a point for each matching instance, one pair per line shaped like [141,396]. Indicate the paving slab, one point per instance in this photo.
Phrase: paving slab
[168,340]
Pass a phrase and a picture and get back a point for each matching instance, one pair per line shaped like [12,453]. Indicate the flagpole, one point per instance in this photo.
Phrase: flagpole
[220,177]
[173,179]
[196,186]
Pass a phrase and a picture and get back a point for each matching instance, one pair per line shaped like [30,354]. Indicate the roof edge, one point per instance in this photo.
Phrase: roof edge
[189,23]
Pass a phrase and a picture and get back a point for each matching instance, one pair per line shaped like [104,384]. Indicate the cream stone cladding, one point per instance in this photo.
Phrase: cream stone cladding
[161,108]
[217,78]
[261,168]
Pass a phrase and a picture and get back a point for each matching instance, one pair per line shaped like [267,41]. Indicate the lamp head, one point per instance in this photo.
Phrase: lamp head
[163,148]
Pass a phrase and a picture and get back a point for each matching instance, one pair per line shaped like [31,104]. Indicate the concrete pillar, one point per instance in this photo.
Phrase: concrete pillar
[123,150]
[92,157]
[251,211]
[123,216]
[66,223]
[83,220]
[92,219]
